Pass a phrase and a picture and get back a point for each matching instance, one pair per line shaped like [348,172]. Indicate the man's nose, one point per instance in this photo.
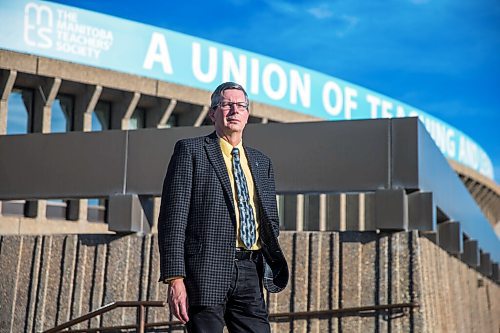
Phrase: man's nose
[233,108]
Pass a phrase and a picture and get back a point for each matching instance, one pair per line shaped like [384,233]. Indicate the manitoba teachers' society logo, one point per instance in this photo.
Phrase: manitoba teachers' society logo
[38,25]
[60,29]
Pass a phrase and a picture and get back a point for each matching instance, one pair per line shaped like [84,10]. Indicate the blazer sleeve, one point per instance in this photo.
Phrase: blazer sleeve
[174,212]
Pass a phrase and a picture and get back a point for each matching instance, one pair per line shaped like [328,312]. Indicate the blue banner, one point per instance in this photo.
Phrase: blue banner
[84,37]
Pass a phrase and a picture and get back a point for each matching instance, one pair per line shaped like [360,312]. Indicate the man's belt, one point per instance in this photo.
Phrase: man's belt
[242,254]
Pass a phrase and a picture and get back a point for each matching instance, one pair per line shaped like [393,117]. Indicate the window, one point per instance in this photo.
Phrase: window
[19,108]
[13,207]
[62,114]
[172,121]
[96,210]
[138,119]
[101,117]
[207,121]
[56,209]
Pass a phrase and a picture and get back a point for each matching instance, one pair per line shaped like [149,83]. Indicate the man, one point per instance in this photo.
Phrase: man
[218,225]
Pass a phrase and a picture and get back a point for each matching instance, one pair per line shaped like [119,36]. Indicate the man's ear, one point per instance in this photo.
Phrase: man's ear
[211,114]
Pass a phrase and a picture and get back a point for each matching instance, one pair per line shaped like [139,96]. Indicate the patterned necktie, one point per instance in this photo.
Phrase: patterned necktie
[247,220]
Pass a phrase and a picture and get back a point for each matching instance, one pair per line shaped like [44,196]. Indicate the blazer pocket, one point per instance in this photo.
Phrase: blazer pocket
[193,248]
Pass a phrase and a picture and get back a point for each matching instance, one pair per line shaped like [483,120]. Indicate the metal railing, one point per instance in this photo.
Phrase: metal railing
[141,325]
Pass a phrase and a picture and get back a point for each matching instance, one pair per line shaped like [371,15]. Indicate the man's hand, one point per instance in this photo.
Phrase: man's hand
[177,300]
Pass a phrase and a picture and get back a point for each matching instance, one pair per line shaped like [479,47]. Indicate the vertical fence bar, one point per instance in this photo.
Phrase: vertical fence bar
[140,318]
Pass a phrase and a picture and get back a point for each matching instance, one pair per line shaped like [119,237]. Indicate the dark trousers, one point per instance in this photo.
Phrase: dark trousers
[244,310]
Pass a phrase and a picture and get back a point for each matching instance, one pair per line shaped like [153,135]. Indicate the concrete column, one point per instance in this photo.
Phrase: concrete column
[322,212]
[361,211]
[476,189]
[264,120]
[83,211]
[202,116]
[129,107]
[156,214]
[44,98]
[166,111]
[490,204]
[483,196]
[84,106]
[123,110]
[300,213]
[7,79]
[41,209]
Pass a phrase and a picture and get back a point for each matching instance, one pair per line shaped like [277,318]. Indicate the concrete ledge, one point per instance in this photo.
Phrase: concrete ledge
[18,61]
[19,225]
[95,76]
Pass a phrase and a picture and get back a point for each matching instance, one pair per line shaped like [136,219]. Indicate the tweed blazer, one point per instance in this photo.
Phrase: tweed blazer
[197,221]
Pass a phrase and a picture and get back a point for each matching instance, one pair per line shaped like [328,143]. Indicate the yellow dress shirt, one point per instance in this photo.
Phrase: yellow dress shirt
[227,148]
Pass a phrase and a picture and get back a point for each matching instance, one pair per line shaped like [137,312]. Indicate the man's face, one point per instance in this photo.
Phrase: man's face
[232,118]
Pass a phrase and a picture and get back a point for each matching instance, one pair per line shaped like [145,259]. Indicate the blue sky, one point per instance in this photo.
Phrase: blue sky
[442,57]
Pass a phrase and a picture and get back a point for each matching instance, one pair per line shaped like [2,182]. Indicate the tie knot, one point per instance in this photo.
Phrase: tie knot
[235,152]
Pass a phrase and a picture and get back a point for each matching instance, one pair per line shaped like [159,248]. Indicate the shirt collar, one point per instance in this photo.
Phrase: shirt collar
[227,148]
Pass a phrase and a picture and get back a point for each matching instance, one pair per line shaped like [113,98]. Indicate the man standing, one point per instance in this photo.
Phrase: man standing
[218,225]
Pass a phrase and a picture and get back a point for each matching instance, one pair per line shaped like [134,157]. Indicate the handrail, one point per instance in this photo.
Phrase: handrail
[141,325]
[338,312]
[119,304]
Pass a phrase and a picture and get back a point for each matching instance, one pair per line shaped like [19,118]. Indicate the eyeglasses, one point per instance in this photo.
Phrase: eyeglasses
[228,105]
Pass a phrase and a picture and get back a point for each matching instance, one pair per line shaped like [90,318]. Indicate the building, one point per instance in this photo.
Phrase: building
[68,70]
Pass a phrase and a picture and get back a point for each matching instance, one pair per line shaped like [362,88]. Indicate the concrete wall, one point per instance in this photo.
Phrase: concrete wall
[47,280]
[455,298]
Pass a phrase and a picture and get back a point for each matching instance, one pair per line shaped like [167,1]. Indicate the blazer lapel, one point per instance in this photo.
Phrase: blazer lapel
[254,169]
[214,153]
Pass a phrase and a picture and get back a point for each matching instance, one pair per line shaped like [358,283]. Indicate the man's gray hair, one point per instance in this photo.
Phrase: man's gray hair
[217,94]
